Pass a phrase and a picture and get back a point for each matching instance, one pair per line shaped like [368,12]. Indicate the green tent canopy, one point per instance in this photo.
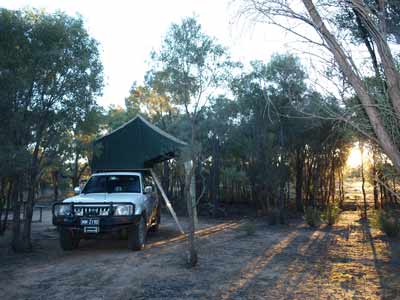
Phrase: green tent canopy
[135,145]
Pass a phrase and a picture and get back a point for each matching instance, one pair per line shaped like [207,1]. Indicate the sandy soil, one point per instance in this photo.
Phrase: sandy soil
[347,261]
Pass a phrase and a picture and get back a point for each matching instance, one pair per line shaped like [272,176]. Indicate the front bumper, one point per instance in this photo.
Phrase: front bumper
[105,223]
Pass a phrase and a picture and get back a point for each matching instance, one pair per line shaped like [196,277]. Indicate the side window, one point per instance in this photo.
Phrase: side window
[148,181]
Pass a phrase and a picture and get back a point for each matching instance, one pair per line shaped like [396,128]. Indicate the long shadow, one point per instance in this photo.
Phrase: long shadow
[164,238]
[379,264]
[212,274]
[252,272]
[310,265]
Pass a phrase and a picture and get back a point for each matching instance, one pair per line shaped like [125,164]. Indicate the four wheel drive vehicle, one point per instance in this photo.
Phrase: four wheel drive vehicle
[113,201]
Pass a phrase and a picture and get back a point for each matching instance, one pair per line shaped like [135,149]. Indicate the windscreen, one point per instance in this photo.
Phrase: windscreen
[113,184]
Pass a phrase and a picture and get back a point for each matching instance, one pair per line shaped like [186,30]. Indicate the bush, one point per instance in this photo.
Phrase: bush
[331,214]
[312,216]
[388,222]
[249,228]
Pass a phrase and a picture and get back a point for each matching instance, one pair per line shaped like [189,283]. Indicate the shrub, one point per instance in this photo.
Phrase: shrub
[249,228]
[312,216]
[389,223]
[331,214]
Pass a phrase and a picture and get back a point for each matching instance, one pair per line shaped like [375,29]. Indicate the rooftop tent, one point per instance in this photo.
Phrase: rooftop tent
[137,144]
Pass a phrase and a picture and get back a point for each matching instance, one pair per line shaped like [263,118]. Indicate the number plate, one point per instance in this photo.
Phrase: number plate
[90,222]
[91,229]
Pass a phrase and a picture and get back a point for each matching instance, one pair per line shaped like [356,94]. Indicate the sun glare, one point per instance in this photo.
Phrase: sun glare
[354,159]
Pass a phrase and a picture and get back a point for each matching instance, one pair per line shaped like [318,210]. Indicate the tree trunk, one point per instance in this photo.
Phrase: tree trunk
[299,181]
[361,144]
[214,187]
[374,181]
[332,187]
[28,212]
[74,177]
[190,171]
[392,75]
[28,205]
[16,227]
[56,179]
[382,190]
[3,200]
[7,206]
[341,187]
[192,259]
[368,103]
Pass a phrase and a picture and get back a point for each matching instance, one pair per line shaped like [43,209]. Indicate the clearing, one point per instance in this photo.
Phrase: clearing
[347,261]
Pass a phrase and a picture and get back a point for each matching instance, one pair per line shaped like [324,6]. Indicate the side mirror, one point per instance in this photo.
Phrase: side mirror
[77,190]
[148,189]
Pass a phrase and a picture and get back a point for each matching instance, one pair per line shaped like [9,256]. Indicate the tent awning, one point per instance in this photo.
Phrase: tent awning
[137,144]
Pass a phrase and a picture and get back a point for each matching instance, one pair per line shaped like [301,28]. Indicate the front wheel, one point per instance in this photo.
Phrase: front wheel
[155,226]
[137,235]
[68,239]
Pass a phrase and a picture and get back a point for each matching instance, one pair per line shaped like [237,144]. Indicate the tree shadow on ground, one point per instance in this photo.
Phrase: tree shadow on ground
[386,259]
[281,268]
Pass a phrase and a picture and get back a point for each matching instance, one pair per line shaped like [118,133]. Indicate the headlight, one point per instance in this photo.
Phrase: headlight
[123,210]
[63,210]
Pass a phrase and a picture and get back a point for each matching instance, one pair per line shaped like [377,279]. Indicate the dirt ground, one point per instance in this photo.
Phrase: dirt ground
[348,261]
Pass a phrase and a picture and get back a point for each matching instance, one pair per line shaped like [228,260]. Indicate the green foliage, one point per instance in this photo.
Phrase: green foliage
[347,19]
[117,116]
[387,221]
[331,214]
[312,216]
[246,144]
[248,228]
[188,66]
[148,100]
[50,74]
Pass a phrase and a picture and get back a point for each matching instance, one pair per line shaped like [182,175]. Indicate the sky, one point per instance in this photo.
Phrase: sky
[128,30]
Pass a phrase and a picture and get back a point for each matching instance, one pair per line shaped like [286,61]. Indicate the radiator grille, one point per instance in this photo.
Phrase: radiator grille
[88,211]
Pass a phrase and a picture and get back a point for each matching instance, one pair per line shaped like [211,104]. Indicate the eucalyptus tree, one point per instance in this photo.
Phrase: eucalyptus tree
[376,22]
[267,96]
[188,68]
[216,131]
[77,150]
[50,73]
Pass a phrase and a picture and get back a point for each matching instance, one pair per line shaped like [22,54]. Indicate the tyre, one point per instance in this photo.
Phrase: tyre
[137,235]
[68,240]
[155,226]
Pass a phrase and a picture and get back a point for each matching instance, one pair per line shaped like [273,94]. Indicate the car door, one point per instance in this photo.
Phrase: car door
[151,198]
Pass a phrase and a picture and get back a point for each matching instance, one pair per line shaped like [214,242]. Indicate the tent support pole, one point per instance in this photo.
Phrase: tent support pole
[164,195]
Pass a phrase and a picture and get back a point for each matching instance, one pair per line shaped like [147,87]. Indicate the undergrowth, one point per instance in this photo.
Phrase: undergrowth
[312,216]
[387,221]
[331,214]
